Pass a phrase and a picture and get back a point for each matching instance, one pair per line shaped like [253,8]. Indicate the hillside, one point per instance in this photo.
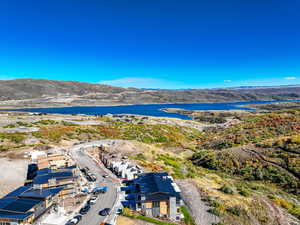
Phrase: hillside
[46,93]
[245,173]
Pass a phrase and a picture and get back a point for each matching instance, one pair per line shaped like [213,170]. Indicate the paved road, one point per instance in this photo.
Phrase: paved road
[106,200]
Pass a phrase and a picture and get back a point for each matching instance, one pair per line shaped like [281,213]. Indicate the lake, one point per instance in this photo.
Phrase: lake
[147,110]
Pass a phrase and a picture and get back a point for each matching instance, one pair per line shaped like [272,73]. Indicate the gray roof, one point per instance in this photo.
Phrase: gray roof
[156,186]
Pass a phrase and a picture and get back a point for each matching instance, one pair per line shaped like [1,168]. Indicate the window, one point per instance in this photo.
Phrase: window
[4,223]
[155,204]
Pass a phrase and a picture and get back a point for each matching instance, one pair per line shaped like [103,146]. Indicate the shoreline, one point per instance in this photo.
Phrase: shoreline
[237,106]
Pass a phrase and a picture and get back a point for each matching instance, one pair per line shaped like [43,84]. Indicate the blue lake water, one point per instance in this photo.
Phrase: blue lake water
[147,110]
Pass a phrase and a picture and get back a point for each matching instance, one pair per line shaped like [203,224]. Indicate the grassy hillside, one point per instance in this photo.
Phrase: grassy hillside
[248,173]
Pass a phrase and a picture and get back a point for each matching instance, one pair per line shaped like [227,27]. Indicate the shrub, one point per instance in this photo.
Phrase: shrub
[244,192]
[214,211]
[226,189]
[11,125]
[140,156]
[289,206]
[234,210]
[188,220]
[214,203]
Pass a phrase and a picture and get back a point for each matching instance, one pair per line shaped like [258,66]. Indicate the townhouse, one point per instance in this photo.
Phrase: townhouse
[52,161]
[64,177]
[156,195]
[119,165]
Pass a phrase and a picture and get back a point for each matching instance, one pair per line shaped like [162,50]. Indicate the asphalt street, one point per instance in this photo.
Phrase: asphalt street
[106,200]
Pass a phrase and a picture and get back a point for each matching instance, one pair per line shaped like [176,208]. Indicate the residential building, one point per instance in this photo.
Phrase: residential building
[26,204]
[52,161]
[125,170]
[64,177]
[156,195]
[118,164]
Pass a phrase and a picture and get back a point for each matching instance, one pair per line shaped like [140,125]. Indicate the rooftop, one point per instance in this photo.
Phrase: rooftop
[30,192]
[48,170]
[17,205]
[157,186]
[16,216]
[42,179]
[18,191]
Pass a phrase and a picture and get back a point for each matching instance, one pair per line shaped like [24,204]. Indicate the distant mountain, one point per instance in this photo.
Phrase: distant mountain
[43,93]
[264,87]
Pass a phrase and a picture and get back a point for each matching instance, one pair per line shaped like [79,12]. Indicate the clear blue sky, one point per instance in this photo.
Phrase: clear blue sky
[157,43]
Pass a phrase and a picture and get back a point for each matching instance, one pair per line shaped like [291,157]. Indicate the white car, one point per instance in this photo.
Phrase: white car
[93,200]
[73,221]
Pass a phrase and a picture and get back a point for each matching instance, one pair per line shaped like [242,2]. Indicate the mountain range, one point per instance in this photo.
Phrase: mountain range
[43,93]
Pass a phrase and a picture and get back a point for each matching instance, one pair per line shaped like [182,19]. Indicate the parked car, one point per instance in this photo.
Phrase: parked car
[104,212]
[119,211]
[85,170]
[130,197]
[93,200]
[85,209]
[91,177]
[69,223]
[85,190]
[98,190]
[73,221]
[78,217]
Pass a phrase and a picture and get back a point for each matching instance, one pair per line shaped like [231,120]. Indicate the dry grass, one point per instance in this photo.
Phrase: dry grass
[121,220]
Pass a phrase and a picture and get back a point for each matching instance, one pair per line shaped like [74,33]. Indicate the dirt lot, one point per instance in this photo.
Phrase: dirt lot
[13,174]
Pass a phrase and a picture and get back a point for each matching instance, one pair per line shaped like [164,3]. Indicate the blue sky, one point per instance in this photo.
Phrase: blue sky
[152,44]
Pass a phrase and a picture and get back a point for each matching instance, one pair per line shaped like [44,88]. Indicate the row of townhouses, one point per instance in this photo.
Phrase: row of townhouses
[153,194]
[121,166]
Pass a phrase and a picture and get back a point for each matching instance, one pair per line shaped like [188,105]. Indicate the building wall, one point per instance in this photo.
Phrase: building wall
[163,208]
[172,208]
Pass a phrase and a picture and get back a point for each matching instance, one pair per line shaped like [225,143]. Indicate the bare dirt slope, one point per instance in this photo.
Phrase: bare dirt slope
[13,174]
[198,208]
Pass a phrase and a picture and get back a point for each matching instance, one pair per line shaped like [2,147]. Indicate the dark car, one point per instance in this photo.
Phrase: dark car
[119,211]
[78,217]
[85,209]
[130,197]
[104,212]
[91,177]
